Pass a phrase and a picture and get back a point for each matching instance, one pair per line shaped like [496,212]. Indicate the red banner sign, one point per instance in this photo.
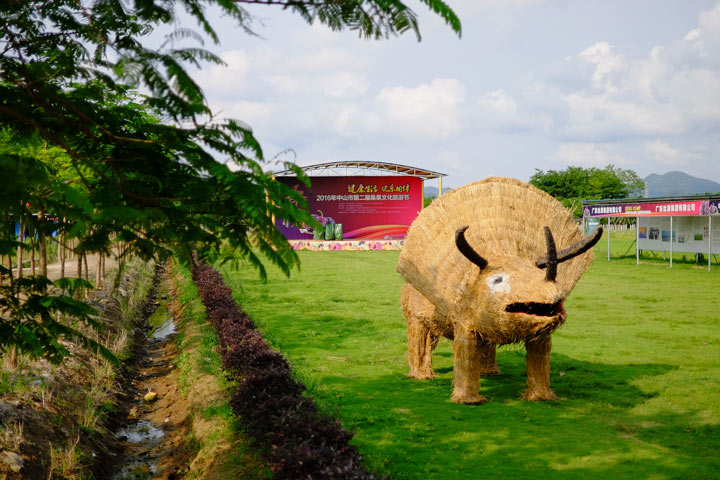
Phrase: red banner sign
[659,209]
[365,207]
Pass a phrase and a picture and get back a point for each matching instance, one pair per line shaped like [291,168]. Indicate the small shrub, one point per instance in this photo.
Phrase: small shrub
[298,441]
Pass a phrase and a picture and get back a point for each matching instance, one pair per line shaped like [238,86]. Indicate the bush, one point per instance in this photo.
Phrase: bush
[298,442]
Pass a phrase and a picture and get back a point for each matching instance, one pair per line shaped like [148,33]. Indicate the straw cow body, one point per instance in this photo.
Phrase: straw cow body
[482,269]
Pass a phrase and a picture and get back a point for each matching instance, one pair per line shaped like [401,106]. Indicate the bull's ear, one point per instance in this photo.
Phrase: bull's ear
[467,250]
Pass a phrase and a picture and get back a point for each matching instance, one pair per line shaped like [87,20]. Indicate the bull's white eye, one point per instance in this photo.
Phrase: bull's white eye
[498,283]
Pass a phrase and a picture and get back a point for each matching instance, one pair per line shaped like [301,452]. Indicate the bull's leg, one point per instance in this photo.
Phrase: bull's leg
[538,369]
[421,343]
[488,363]
[466,368]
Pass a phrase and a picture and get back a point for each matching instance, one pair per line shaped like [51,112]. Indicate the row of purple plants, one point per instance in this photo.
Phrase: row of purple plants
[297,441]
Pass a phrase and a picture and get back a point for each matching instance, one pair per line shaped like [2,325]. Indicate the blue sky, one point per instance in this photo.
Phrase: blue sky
[531,84]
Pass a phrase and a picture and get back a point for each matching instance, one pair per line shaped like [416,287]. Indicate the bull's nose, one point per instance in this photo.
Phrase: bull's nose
[537,309]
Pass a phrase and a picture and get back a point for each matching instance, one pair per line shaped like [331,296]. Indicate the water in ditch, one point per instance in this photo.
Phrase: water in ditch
[154,434]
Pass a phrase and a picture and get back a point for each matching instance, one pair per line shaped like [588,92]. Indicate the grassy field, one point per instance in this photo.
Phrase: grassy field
[636,368]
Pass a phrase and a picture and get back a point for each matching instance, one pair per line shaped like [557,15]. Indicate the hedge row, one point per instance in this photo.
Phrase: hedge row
[297,441]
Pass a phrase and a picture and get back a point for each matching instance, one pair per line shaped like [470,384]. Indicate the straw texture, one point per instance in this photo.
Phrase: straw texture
[505,217]
[472,262]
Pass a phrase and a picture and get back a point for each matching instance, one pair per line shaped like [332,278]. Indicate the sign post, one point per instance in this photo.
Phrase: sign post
[637,240]
[671,240]
[709,241]
[608,219]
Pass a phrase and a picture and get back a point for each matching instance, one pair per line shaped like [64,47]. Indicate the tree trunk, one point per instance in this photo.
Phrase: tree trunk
[98,272]
[61,249]
[32,253]
[87,274]
[79,265]
[13,357]
[13,349]
[19,252]
[61,254]
[41,244]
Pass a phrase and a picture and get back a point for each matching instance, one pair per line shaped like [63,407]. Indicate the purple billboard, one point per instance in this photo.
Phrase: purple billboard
[363,207]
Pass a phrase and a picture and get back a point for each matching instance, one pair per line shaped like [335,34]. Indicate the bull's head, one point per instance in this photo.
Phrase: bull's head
[519,299]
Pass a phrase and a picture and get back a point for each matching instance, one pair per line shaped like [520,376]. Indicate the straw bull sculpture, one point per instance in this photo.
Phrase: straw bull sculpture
[482,269]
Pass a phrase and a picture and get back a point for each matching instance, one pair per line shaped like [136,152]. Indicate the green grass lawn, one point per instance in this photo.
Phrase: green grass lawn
[636,368]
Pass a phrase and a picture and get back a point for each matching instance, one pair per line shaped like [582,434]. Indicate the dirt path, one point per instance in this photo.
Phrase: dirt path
[157,431]
[53,269]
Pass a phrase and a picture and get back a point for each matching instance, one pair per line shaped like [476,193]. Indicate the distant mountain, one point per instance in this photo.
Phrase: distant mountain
[433,191]
[677,184]
[430,192]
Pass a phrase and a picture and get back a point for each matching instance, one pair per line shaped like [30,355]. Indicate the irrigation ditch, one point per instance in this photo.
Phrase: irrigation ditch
[199,394]
[57,421]
[155,433]
[293,438]
[175,419]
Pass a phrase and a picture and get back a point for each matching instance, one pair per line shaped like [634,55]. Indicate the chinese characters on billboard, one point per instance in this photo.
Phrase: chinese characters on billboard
[366,207]
[661,209]
[688,230]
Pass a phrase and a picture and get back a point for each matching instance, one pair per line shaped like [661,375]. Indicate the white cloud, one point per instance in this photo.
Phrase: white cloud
[452,160]
[500,18]
[344,84]
[229,79]
[498,5]
[608,64]
[641,80]
[337,84]
[695,94]
[672,91]
[355,121]
[290,98]
[430,111]
[598,117]
[323,60]
[258,115]
[660,152]
[609,101]
[587,155]
[284,83]
[703,42]
[498,110]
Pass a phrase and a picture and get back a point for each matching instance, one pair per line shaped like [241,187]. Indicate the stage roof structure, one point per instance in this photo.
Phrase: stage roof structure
[362,168]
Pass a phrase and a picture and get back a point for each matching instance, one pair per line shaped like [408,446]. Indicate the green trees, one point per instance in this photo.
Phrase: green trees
[157,172]
[156,168]
[574,184]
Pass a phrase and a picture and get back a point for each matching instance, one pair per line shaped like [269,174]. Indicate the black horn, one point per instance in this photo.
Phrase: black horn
[467,250]
[552,256]
[573,250]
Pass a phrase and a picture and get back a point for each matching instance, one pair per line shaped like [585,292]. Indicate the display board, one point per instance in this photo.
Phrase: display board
[367,207]
[654,209]
[591,225]
[689,234]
